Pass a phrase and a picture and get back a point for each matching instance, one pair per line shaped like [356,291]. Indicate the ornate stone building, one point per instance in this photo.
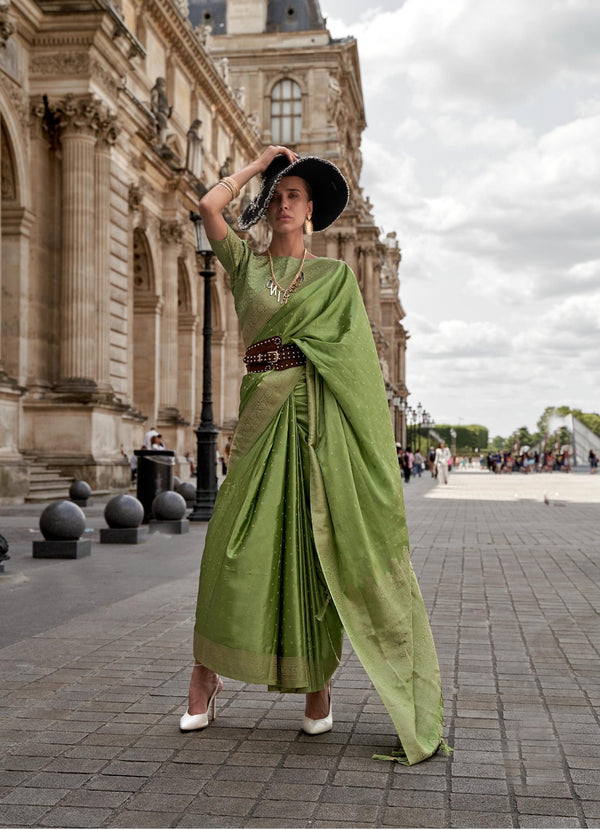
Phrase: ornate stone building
[114,119]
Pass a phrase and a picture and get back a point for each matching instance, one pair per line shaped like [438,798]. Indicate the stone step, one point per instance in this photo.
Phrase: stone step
[46,475]
[41,498]
[54,484]
[46,483]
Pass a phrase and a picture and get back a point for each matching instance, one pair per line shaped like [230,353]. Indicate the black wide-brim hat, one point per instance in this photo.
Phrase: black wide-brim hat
[330,192]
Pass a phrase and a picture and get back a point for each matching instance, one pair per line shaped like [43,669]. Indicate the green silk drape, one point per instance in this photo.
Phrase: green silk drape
[332,438]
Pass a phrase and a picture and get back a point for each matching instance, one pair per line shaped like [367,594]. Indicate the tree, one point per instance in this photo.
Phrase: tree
[469,439]
[522,437]
[543,423]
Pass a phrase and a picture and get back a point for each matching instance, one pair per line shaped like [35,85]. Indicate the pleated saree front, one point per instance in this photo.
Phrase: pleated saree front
[309,533]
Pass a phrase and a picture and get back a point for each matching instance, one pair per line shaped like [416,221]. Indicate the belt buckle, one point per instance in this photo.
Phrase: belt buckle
[272,357]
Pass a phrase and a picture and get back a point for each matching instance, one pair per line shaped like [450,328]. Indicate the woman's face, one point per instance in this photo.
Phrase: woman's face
[290,205]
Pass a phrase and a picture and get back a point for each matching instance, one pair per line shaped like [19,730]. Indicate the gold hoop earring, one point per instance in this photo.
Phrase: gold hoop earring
[308,226]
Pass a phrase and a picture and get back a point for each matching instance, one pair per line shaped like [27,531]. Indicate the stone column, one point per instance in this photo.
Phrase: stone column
[188,323]
[332,246]
[146,353]
[172,236]
[376,288]
[2,372]
[107,135]
[368,291]
[218,340]
[348,241]
[78,121]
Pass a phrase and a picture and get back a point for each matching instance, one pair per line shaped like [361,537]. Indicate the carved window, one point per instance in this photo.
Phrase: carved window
[143,277]
[286,112]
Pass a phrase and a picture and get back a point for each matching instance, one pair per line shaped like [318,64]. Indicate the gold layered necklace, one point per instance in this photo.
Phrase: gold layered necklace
[282,295]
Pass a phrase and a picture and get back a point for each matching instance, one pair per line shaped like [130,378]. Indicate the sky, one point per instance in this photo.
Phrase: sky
[482,152]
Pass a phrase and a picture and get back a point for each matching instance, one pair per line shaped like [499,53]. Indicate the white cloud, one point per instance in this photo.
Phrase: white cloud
[409,129]
[463,53]
[482,153]
[458,338]
[488,134]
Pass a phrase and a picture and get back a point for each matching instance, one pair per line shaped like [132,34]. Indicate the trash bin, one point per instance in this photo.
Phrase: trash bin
[154,475]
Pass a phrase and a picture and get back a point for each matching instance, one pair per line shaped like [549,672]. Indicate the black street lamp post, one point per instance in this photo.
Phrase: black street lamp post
[409,426]
[403,421]
[425,425]
[206,433]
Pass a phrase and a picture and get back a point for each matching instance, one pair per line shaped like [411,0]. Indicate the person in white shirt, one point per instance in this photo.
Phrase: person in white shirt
[148,438]
[442,455]
[157,442]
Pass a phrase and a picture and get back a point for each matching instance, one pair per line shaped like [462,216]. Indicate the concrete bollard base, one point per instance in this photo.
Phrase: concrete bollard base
[122,535]
[62,549]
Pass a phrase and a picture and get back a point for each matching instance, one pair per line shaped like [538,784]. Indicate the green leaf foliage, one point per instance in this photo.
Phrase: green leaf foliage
[469,438]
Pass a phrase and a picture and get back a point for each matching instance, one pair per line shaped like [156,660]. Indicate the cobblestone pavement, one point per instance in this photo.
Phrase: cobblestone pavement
[96,658]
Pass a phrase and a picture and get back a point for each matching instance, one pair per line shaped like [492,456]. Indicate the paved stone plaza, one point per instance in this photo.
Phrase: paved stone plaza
[95,660]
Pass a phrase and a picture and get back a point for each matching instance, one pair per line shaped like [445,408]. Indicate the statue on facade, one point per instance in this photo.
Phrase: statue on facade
[334,92]
[7,27]
[240,96]
[226,168]
[182,6]
[195,149]
[203,34]
[223,67]
[254,122]
[161,110]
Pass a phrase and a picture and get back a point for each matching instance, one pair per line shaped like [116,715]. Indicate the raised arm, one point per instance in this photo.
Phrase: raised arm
[218,197]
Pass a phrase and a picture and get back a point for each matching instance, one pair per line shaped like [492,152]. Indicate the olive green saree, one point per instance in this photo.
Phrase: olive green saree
[309,532]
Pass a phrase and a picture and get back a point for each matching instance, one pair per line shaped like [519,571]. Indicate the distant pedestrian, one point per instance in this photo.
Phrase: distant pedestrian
[418,465]
[431,462]
[593,459]
[442,454]
[225,456]
[400,455]
[190,460]
[147,445]
[408,460]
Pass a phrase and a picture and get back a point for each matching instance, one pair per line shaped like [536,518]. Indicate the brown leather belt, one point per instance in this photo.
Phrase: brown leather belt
[272,354]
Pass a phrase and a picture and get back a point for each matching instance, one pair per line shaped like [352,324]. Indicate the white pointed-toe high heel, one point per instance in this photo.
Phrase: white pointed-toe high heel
[189,723]
[320,725]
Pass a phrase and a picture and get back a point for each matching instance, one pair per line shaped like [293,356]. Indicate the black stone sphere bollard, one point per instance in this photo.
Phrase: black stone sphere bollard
[168,509]
[4,554]
[79,493]
[62,524]
[123,515]
[188,491]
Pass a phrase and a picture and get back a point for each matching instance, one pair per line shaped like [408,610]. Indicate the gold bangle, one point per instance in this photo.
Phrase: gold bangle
[230,180]
[227,188]
[232,185]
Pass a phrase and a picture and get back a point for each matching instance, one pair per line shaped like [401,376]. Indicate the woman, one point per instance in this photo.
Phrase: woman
[308,533]
[442,460]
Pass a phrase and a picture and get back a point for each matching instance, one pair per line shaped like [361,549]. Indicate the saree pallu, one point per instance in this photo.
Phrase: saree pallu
[309,532]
